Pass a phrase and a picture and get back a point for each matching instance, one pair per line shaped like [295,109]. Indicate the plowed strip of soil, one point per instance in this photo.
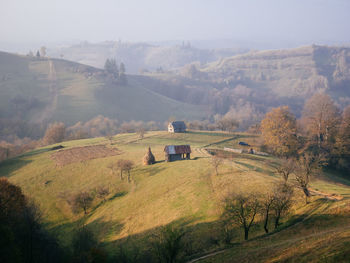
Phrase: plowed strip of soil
[79,154]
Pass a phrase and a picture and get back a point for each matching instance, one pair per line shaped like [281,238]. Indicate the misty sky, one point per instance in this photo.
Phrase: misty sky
[302,21]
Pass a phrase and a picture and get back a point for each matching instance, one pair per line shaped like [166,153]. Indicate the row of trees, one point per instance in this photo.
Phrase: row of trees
[40,53]
[243,210]
[116,72]
[323,132]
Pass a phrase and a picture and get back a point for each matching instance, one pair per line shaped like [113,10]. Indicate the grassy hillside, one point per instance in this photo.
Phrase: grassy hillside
[185,193]
[46,90]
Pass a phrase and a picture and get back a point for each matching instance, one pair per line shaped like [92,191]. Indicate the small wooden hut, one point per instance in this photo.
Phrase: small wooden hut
[177,152]
[149,159]
[176,126]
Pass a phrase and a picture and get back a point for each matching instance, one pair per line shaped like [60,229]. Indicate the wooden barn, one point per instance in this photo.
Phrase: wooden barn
[176,126]
[177,152]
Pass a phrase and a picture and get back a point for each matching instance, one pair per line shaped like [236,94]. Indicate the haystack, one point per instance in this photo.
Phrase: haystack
[149,158]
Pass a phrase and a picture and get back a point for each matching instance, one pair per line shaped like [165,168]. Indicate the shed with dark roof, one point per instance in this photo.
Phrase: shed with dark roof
[177,152]
[176,126]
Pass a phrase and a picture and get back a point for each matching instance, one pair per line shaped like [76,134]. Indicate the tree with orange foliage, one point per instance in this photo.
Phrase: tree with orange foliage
[279,130]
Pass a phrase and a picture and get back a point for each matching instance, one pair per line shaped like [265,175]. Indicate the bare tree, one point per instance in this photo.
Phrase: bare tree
[169,244]
[227,123]
[82,201]
[321,117]
[141,131]
[286,168]
[282,201]
[120,166]
[216,162]
[307,166]
[266,207]
[127,166]
[241,210]
[102,192]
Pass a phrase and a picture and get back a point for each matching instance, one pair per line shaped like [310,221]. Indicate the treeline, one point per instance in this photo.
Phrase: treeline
[12,145]
[323,132]
[115,72]
[103,126]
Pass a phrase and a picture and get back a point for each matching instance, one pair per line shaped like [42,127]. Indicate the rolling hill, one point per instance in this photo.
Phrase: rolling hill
[246,86]
[141,56]
[41,90]
[182,193]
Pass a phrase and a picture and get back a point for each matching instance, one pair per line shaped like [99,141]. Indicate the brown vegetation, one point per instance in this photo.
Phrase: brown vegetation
[79,154]
[149,159]
[54,133]
[280,131]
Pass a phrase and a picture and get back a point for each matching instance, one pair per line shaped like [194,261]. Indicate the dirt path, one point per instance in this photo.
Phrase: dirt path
[332,197]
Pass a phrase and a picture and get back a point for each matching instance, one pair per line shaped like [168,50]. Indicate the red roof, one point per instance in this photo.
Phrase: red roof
[177,149]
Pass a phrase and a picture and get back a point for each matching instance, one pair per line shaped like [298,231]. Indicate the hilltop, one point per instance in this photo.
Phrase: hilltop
[41,90]
[182,193]
[141,56]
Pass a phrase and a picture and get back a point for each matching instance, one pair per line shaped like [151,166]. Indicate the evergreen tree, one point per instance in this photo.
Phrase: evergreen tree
[122,75]
[111,67]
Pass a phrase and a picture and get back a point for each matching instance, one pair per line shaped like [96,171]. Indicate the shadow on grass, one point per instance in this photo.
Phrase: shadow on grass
[9,166]
[256,169]
[116,195]
[202,238]
[151,170]
[334,176]
[197,158]
[101,229]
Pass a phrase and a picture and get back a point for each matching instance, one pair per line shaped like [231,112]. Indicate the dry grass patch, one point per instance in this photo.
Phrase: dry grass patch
[79,154]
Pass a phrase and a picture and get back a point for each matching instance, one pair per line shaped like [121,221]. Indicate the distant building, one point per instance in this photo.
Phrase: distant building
[176,126]
[177,152]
